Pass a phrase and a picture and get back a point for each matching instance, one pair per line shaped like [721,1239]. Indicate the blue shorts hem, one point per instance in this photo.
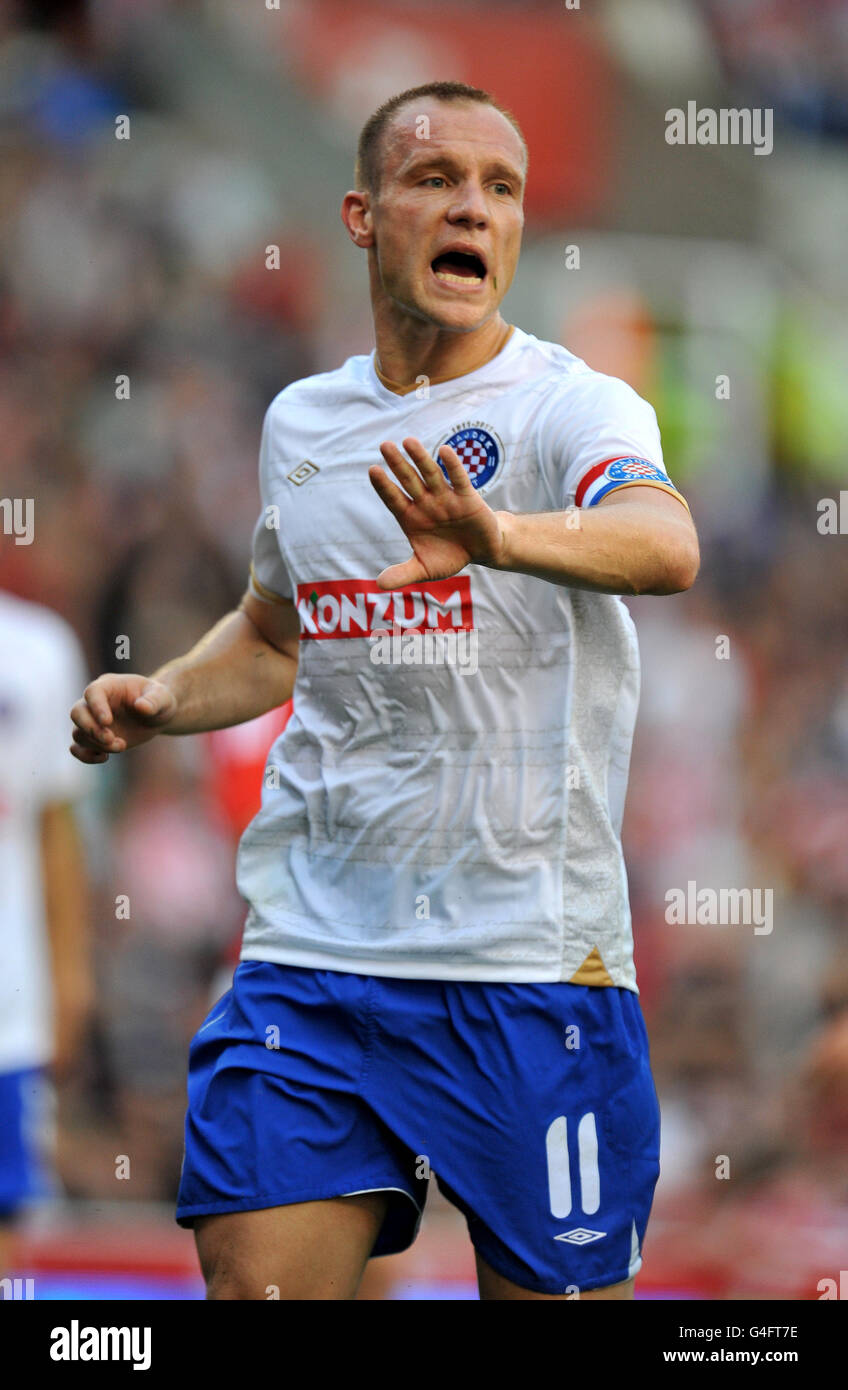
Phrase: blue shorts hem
[389,1241]
[507,1270]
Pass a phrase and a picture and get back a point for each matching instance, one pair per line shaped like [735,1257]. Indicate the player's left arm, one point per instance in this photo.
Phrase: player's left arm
[636,540]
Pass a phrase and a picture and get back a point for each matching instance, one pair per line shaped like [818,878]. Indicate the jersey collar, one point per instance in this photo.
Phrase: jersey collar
[442,386]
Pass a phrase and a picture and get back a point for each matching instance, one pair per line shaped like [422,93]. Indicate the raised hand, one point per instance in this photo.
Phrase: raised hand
[447,523]
[118,712]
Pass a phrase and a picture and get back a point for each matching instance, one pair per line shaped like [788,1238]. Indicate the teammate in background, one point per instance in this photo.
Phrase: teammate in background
[46,989]
[437,970]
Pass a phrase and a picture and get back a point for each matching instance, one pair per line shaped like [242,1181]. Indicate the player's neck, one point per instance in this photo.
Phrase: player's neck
[400,361]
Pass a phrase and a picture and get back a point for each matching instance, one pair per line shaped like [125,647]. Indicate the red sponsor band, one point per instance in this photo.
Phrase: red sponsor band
[331,608]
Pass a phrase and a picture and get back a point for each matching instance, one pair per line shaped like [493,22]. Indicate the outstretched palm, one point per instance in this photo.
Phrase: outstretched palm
[446,522]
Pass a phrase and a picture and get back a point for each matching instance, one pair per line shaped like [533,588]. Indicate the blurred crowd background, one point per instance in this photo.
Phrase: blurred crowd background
[712,279]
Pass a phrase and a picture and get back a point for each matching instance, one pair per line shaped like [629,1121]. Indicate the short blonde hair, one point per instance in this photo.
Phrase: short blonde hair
[367,169]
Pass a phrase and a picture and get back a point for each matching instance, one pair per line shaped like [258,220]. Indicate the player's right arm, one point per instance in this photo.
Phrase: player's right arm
[243,667]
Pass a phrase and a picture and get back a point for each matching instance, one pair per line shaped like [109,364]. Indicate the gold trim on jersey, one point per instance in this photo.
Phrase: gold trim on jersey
[592,971]
[398,389]
[267,594]
[649,482]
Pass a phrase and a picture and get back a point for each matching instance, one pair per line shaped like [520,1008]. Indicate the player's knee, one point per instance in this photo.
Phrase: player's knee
[226,1275]
[229,1282]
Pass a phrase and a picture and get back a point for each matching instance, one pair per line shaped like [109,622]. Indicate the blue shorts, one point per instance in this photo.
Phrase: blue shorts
[533,1104]
[25,1118]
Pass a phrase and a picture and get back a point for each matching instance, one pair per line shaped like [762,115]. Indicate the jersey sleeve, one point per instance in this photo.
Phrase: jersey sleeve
[607,440]
[269,579]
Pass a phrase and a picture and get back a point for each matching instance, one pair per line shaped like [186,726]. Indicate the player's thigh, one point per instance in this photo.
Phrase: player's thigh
[494,1286]
[307,1250]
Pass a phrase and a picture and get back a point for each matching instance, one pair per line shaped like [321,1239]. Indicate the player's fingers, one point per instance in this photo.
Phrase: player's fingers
[403,470]
[86,723]
[410,572]
[99,742]
[88,755]
[396,501]
[155,703]
[96,696]
[426,465]
[459,479]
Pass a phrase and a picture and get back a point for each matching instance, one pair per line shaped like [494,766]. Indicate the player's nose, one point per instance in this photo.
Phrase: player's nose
[469,205]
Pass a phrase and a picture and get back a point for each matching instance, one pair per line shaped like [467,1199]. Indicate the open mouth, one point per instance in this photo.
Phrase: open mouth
[459,268]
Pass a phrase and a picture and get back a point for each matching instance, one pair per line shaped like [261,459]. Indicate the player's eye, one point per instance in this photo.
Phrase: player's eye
[434,178]
[502,188]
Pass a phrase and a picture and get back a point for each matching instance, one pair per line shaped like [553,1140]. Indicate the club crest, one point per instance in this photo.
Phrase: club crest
[480,450]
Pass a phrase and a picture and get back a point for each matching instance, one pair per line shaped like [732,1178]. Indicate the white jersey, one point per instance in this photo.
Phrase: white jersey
[41,675]
[451,811]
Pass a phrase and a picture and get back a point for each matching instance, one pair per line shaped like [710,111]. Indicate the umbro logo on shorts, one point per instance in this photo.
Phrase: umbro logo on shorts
[580,1236]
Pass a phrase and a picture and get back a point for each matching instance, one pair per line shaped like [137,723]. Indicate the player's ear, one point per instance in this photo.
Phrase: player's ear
[357,217]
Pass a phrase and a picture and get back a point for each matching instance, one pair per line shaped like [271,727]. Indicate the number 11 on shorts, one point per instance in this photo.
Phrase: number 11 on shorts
[559,1166]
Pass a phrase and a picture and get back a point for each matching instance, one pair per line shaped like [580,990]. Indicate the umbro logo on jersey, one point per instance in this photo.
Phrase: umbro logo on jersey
[480,450]
[303,472]
[358,608]
[580,1236]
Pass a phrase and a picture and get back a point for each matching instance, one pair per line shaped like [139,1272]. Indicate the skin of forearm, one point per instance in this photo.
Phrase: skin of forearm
[231,675]
[65,893]
[617,550]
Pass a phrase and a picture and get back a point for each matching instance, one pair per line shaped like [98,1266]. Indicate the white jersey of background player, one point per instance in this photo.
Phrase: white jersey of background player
[45,981]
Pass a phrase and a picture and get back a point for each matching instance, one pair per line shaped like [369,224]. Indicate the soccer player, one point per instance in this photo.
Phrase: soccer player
[46,982]
[437,969]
